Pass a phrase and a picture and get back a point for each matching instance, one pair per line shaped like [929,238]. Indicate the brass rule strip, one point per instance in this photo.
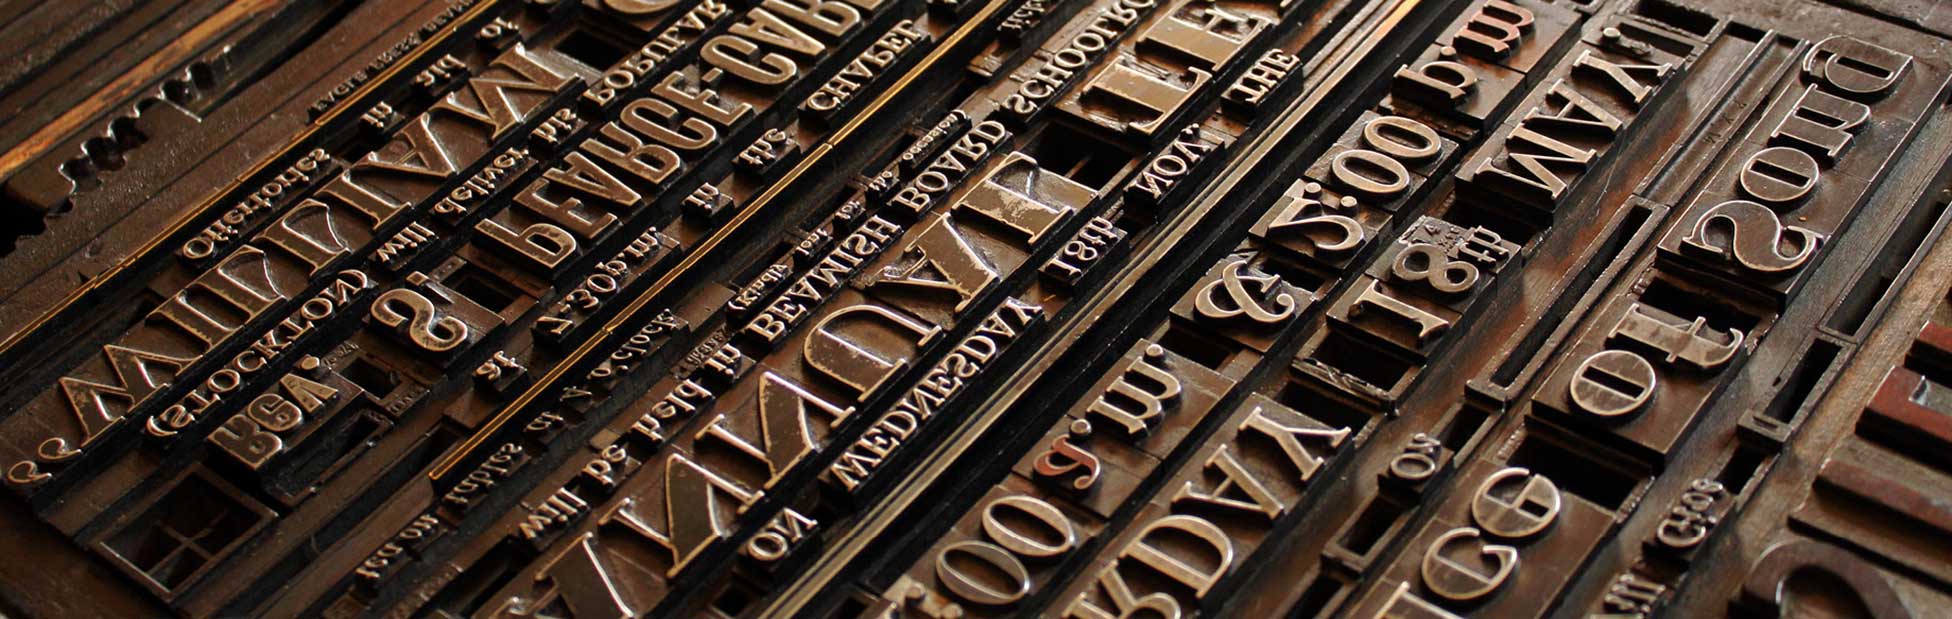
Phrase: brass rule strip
[179,51]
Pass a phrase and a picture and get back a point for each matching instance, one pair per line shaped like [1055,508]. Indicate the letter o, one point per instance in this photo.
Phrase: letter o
[973,590]
[1026,545]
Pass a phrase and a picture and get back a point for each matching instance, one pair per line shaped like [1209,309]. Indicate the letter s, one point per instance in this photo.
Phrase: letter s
[1751,235]
[428,329]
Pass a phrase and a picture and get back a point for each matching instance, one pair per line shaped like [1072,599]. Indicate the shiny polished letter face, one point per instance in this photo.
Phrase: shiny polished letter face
[971,309]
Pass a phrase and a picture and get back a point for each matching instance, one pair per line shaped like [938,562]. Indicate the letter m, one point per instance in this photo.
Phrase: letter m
[137,374]
[494,98]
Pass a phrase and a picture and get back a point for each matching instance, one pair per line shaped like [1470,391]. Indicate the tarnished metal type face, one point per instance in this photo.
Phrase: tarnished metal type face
[961,309]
